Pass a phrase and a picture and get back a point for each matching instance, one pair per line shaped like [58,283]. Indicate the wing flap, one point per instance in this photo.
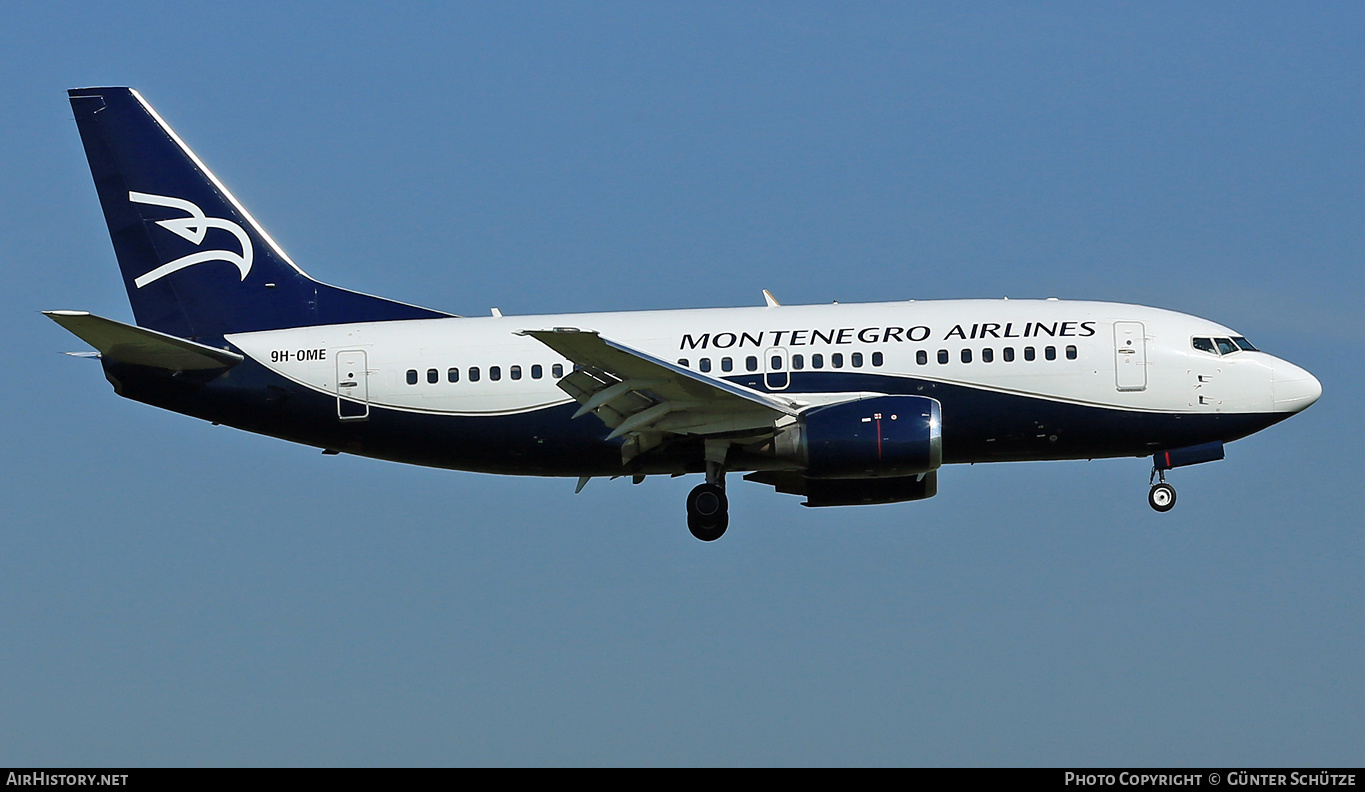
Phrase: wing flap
[637,394]
[142,347]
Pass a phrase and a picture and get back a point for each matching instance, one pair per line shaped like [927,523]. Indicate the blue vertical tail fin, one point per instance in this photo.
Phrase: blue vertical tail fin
[195,263]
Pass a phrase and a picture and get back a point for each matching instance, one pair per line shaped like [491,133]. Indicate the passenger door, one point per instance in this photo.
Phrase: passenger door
[353,387]
[1130,356]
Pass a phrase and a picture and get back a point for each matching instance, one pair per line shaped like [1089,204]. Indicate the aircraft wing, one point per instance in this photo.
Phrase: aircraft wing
[140,346]
[639,395]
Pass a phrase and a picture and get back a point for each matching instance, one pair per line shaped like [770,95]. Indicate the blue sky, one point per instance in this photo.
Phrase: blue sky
[175,593]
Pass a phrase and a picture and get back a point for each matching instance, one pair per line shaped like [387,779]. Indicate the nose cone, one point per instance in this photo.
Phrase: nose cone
[1294,389]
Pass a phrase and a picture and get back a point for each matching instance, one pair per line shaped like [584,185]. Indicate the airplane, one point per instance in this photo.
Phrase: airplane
[842,404]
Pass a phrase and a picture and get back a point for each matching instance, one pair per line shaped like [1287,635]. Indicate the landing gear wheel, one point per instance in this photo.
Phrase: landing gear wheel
[1162,497]
[708,512]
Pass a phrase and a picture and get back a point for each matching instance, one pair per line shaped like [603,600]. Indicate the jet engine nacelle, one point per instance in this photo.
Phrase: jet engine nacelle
[860,492]
[878,437]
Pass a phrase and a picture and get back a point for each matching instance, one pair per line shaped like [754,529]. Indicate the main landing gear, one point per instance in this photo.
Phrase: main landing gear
[1162,495]
[708,510]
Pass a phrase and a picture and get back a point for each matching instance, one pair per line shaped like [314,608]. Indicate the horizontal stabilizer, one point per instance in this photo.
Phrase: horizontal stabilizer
[142,347]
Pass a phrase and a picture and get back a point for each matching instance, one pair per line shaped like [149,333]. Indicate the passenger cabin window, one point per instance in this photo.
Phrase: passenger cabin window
[877,359]
[412,376]
[836,360]
[537,371]
[798,362]
[987,355]
[1029,353]
[453,375]
[751,363]
[495,373]
[704,364]
[856,359]
[433,376]
[921,357]
[727,364]
[557,370]
[942,356]
[683,362]
[1050,353]
[515,371]
[817,361]
[1071,352]
[1008,354]
[966,356]
[473,373]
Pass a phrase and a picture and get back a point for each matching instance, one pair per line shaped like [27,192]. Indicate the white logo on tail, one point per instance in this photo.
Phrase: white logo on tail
[193,228]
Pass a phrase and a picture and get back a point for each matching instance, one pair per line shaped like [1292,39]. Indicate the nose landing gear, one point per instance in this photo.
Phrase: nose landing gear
[1162,495]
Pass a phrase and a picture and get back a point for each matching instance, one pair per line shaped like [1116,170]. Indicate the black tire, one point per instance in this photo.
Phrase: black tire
[706,501]
[1161,497]
[708,531]
[708,512]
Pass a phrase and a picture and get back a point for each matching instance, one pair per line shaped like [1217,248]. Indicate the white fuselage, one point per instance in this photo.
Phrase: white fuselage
[1109,355]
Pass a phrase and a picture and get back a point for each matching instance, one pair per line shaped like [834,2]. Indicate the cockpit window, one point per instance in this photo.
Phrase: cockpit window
[1223,346]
